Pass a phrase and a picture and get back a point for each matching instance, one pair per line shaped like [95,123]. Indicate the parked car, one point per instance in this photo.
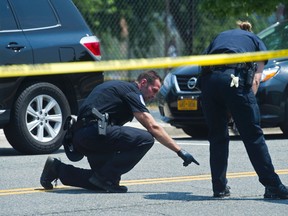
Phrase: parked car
[180,101]
[33,108]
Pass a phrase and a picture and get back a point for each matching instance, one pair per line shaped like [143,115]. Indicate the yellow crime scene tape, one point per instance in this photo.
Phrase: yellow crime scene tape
[136,64]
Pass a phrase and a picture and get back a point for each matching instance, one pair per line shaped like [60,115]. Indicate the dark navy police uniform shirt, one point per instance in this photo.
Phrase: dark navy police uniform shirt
[235,41]
[119,99]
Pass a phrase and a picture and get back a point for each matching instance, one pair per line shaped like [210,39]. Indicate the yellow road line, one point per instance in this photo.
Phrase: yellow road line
[140,182]
[136,64]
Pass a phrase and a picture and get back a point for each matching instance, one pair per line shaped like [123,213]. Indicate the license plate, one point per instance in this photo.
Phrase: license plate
[187,104]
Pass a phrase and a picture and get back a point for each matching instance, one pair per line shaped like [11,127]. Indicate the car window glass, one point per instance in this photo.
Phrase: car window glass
[35,13]
[276,38]
[7,21]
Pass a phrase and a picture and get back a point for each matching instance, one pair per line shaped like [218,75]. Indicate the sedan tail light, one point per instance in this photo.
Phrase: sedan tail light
[92,44]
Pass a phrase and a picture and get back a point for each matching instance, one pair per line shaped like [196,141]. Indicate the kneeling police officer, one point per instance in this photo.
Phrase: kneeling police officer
[111,148]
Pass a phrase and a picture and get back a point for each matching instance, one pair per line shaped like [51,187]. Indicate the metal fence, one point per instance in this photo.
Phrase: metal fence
[131,29]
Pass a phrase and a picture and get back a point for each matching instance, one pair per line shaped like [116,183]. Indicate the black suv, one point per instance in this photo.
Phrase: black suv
[33,108]
[180,101]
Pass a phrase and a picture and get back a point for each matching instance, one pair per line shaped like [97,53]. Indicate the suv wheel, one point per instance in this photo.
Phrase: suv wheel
[37,119]
[197,131]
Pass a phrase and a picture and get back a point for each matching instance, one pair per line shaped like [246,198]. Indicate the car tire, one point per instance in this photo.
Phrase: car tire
[37,119]
[197,131]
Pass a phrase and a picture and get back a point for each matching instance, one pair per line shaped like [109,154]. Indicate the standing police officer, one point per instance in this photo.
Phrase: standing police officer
[119,148]
[227,88]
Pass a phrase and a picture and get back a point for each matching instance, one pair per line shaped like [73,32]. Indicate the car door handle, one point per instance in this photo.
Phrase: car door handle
[15,46]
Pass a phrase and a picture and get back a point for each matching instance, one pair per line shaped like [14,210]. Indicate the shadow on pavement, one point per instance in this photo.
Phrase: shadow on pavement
[185,196]
[12,152]
[237,137]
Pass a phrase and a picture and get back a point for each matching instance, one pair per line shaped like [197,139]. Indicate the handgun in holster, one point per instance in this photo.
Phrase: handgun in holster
[250,73]
[103,120]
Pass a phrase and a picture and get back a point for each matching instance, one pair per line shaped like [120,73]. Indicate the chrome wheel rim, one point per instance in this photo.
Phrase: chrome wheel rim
[43,118]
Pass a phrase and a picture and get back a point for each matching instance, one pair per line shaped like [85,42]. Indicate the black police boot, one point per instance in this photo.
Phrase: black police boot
[106,185]
[276,192]
[222,194]
[50,172]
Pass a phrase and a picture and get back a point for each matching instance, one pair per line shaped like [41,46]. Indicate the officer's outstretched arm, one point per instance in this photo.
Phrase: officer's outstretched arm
[147,120]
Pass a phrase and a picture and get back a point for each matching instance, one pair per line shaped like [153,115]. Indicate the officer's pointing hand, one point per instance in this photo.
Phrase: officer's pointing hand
[187,157]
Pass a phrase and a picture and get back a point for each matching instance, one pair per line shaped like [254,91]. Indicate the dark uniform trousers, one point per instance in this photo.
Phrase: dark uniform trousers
[218,98]
[110,156]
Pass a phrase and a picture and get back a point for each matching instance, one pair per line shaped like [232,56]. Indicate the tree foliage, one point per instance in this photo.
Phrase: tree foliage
[222,8]
[137,24]
[118,18]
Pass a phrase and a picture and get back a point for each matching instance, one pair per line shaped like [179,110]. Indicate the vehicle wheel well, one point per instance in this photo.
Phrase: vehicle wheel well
[62,83]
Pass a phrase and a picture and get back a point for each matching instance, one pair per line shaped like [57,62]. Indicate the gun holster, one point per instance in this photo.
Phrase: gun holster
[71,153]
[250,73]
[102,119]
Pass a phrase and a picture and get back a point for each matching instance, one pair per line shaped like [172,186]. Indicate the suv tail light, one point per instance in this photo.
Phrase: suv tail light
[92,44]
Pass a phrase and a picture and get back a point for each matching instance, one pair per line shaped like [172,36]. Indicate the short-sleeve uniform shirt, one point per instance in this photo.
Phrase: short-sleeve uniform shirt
[119,99]
[236,41]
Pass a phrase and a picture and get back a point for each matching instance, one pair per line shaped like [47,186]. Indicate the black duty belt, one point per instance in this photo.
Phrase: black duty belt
[91,117]
[84,122]
[229,66]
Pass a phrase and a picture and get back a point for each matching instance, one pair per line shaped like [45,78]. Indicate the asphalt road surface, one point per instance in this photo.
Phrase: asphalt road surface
[158,185]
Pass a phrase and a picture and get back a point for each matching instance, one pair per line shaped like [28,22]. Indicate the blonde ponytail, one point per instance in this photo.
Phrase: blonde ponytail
[247,26]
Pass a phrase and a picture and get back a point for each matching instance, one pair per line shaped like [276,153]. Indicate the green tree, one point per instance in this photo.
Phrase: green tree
[129,20]
[236,7]
[135,26]
[227,13]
